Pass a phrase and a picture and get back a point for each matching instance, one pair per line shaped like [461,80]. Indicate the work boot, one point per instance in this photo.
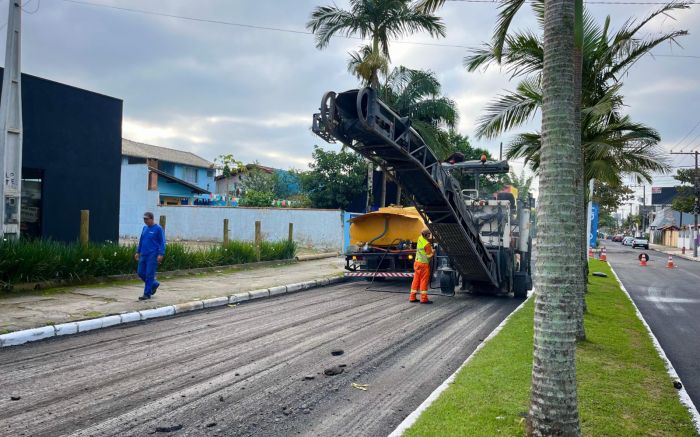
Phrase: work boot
[412,297]
[424,298]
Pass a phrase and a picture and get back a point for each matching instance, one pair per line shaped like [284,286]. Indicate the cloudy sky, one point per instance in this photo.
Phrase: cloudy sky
[216,88]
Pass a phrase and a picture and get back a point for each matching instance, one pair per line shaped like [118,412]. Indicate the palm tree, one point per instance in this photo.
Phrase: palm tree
[377,20]
[417,94]
[553,403]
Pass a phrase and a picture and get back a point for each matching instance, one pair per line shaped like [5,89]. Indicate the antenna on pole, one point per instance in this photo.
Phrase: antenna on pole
[11,127]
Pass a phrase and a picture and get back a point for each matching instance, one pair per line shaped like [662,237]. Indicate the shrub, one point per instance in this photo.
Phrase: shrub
[44,260]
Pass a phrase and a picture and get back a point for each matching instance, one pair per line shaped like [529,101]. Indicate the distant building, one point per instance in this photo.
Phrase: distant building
[153,175]
[233,185]
[673,228]
[70,161]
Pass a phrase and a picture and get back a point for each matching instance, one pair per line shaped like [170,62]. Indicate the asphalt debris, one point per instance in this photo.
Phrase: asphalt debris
[335,370]
[221,398]
[600,274]
[308,377]
[211,424]
[337,352]
[171,428]
[15,397]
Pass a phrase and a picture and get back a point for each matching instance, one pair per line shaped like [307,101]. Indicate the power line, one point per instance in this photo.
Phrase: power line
[303,32]
[593,2]
[686,135]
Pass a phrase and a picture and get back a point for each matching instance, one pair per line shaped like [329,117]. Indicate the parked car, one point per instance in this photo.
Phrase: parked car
[640,242]
[627,241]
[618,238]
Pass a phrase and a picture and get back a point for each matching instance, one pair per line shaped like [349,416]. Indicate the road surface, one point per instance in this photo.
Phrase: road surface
[240,370]
[669,300]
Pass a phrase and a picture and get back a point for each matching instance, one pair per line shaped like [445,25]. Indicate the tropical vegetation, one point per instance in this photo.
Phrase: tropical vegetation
[44,260]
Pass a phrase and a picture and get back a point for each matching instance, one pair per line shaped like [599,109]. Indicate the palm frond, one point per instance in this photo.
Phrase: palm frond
[510,110]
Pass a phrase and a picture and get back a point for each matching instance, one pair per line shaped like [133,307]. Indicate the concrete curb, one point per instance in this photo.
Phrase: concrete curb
[411,418]
[70,328]
[682,394]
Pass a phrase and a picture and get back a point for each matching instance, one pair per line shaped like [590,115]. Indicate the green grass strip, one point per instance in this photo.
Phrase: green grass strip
[623,386]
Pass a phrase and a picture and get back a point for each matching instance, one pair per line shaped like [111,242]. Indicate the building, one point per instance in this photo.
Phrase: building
[287,182]
[673,228]
[153,175]
[70,161]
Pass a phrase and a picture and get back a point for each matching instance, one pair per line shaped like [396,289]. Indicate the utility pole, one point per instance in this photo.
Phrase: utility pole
[11,128]
[696,191]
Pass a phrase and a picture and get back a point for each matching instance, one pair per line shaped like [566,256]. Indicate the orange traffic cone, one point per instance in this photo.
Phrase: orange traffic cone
[603,255]
[643,261]
[669,264]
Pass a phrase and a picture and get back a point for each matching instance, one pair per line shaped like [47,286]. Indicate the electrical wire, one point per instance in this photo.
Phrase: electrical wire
[304,32]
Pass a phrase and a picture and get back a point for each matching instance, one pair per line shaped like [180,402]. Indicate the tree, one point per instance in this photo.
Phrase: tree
[376,20]
[522,183]
[553,407]
[335,178]
[613,144]
[685,200]
[258,180]
[379,21]
[417,94]
[230,164]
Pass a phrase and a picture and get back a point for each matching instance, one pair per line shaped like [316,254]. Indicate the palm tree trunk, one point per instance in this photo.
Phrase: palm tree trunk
[582,242]
[553,406]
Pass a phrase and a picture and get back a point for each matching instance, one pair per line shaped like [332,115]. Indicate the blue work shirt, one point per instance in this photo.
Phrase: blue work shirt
[152,240]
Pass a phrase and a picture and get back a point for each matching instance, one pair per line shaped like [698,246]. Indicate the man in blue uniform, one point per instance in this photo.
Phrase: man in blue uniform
[149,254]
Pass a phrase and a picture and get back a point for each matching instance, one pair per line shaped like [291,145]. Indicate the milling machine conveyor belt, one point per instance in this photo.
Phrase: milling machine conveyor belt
[364,123]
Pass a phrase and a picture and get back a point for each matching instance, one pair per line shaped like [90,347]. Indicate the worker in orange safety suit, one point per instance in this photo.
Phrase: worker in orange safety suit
[421,267]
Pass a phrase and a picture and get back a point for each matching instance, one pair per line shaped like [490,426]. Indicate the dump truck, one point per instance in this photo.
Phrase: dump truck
[383,243]
[483,245]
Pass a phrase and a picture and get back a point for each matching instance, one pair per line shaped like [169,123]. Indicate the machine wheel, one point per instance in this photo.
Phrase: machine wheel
[520,284]
[448,282]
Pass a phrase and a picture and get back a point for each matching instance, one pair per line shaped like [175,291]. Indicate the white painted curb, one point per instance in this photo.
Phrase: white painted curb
[411,418]
[682,394]
[70,328]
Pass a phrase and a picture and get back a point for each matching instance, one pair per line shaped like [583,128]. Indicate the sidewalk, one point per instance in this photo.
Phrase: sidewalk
[675,251]
[40,308]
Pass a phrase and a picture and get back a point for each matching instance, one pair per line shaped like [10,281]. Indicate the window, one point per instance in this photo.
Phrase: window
[210,173]
[167,167]
[190,175]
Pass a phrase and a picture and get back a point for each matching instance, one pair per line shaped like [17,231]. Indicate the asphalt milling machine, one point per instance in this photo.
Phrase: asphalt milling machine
[483,245]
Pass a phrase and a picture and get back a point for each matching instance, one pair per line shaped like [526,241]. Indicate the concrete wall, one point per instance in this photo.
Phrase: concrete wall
[316,228]
[135,199]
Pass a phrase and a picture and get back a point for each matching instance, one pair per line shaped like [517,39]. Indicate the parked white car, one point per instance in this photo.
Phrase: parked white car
[640,242]
[627,241]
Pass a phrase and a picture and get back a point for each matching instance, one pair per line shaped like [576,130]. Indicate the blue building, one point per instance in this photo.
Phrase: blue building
[178,176]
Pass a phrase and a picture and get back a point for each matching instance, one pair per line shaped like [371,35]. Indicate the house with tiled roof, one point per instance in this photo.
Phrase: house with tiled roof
[153,175]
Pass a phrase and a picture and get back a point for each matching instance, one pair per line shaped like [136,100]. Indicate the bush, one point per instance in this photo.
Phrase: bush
[257,198]
[42,260]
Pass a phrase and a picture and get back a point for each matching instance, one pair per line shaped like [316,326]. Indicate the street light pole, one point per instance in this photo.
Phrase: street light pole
[11,128]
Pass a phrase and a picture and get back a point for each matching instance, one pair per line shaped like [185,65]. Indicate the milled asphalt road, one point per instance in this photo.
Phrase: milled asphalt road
[240,371]
[669,300]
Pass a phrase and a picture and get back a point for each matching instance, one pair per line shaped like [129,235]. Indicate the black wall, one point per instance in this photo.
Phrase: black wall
[72,138]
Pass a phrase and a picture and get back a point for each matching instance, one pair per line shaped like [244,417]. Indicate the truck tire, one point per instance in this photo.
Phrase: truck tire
[447,282]
[520,284]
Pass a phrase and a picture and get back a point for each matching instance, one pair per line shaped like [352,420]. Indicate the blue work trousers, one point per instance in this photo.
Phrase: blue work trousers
[148,263]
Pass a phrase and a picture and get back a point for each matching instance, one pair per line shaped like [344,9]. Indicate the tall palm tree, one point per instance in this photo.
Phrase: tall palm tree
[376,20]
[379,21]
[553,403]
[417,94]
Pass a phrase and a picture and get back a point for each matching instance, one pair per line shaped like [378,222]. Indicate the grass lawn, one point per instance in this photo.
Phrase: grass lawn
[623,387]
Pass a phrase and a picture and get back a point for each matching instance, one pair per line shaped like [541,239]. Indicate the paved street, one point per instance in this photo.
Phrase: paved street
[670,302]
[240,370]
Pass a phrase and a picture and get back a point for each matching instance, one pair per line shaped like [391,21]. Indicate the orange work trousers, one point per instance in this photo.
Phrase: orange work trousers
[421,276]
